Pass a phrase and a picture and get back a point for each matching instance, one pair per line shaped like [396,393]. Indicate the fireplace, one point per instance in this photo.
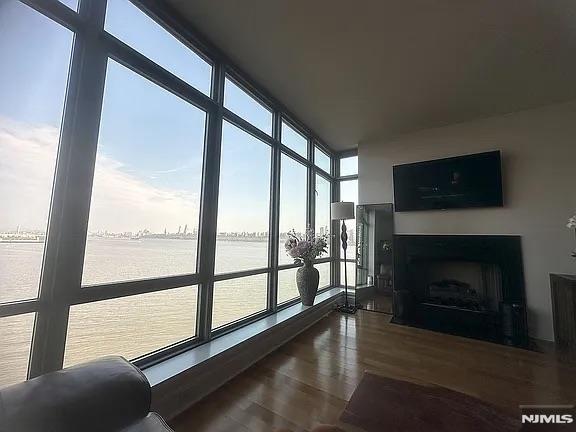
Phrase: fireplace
[466,285]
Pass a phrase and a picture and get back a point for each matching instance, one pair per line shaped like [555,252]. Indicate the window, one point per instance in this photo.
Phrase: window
[349,193]
[324,270]
[72,4]
[146,196]
[244,202]
[15,340]
[294,140]
[322,209]
[287,288]
[137,147]
[247,107]
[31,106]
[322,160]
[350,269]
[239,298]
[133,27]
[293,198]
[131,326]
[349,166]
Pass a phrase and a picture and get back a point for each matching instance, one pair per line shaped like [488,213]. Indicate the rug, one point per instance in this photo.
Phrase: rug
[384,404]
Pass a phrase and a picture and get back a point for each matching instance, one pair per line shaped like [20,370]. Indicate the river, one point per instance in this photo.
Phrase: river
[136,325]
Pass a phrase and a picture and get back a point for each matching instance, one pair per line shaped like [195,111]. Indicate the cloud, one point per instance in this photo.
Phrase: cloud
[27,160]
[123,202]
[120,201]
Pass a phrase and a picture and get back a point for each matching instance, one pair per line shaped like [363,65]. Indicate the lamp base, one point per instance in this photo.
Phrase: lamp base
[347,309]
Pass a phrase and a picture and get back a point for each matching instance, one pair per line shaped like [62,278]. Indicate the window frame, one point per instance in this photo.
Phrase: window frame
[321,149]
[176,31]
[180,277]
[290,155]
[288,150]
[338,179]
[253,94]
[60,284]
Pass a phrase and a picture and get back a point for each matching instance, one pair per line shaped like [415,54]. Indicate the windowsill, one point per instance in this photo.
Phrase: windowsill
[174,366]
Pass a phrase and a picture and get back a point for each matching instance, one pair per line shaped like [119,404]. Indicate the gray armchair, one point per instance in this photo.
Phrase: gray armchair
[105,395]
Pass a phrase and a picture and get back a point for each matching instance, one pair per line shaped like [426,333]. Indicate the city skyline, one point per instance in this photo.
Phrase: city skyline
[182,230]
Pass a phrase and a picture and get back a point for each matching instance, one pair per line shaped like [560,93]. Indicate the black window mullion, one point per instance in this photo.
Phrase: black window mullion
[69,210]
[132,59]
[58,12]
[336,225]
[209,209]
[135,287]
[19,307]
[274,230]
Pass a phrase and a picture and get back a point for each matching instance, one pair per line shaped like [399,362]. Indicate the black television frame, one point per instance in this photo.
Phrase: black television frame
[499,192]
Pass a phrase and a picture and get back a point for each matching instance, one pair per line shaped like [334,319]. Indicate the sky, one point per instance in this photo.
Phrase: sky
[150,147]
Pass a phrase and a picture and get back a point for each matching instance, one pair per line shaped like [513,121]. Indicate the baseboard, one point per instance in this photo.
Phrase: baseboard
[543,346]
[364,293]
[181,392]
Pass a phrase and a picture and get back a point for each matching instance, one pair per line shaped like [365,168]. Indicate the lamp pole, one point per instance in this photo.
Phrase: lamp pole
[344,238]
[346,307]
[344,211]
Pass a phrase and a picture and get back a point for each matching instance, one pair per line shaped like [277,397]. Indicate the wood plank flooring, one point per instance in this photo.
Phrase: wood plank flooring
[378,303]
[309,380]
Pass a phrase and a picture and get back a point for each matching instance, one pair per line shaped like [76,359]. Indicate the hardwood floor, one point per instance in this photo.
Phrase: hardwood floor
[378,303]
[309,380]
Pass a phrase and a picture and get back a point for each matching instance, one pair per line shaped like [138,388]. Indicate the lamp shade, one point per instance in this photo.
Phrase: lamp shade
[342,210]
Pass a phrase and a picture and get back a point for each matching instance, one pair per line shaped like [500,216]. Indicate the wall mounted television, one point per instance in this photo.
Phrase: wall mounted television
[457,182]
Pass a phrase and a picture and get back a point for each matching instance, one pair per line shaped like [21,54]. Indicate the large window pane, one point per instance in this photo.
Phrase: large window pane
[244,202]
[322,210]
[294,140]
[135,28]
[235,299]
[322,160]
[349,193]
[72,4]
[349,166]
[293,185]
[251,110]
[15,341]
[145,200]
[35,54]
[131,326]
[287,288]
[324,270]
[351,273]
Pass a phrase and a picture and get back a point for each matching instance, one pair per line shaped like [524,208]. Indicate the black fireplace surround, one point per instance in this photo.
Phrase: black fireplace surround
[469,285]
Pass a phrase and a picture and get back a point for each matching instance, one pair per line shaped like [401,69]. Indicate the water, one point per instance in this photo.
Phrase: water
[135,325]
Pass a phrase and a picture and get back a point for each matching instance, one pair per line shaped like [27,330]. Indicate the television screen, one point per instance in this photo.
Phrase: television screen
[458,182]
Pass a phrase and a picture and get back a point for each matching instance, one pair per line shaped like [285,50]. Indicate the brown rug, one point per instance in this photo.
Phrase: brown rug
[382,404]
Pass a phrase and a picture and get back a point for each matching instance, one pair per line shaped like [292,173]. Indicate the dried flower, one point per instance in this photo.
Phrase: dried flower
[305,248]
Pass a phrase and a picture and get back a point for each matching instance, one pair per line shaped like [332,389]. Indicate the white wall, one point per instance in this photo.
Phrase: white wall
[539,170]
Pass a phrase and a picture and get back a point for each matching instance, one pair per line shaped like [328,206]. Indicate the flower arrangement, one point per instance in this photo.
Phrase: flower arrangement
[572,226]
[304,249]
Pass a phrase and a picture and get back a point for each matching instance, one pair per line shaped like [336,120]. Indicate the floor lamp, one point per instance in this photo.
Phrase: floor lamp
[344,211]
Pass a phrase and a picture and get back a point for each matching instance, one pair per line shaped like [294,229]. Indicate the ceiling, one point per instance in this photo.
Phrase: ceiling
[369,69]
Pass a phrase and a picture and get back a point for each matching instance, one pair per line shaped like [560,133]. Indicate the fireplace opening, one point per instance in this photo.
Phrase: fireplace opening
[467,285]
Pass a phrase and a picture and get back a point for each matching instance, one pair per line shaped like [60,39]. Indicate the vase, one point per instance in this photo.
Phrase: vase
[307,279]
